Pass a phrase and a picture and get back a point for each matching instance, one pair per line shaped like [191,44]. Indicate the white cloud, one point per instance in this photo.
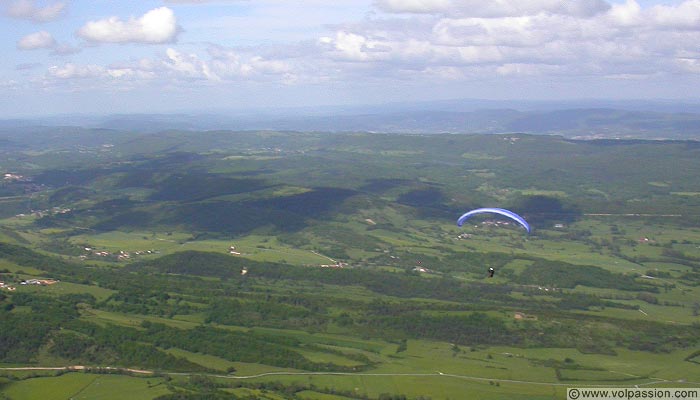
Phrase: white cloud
[97,73]
[414,6]
[627,14]
[188,65]
[684,16]
[37,40]
[444,73]
[156,26]
[199,1]
[225,64]
[350,46]
[222,66]
[526,69]
[73,71]
[8,84]
[495,8]
[44,40]
[691,65]
[28,9]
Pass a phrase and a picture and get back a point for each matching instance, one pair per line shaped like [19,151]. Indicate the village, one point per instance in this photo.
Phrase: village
[120,255]
[30,282]
[43,213]
[484,223]
[12,177]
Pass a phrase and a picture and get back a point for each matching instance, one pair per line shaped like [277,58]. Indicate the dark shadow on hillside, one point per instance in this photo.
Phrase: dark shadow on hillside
[68,177]
[382,185]
[200,186]
[542,210]
[428,203]
[68,195]
[287,214]
[110,214]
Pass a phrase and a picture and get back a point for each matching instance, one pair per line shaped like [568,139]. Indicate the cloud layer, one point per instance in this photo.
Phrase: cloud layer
[398,43]
[578,37]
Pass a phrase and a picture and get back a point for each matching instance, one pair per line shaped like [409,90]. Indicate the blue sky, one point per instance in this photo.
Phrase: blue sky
[105,56]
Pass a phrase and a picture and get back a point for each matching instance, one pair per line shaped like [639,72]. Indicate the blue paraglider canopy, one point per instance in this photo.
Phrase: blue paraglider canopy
[501,211]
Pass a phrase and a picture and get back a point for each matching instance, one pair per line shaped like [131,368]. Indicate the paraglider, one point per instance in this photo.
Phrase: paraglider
[501,211]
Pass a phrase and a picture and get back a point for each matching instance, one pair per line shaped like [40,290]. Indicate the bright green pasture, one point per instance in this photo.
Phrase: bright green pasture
[672,268]
[259,248]
[436,386]
[675,305]
[542,192]
[649,312]
[14,268]
[340,341]
[322,357]
[311,395]
[253,369]
[435,369]
[108,387]
[103,317]
[255,394]
[133,241]
[205,360]
[86,386]
[645,365]
[61,288]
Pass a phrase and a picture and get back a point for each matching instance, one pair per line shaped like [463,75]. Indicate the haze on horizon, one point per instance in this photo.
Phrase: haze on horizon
[81,56]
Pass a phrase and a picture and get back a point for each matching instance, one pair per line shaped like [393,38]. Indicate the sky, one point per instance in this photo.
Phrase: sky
[154,56]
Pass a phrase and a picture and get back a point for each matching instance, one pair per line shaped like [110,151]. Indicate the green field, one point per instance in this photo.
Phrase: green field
[86,386]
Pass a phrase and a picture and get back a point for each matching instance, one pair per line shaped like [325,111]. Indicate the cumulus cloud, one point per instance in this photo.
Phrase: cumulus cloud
[156,26]
[28,9]
[353,47]
[44,40]
[414,6]
[73,71]
[97,73]
[188,65]
[38,40]
[494,8]
[193,1]
[224,64]
[218,65]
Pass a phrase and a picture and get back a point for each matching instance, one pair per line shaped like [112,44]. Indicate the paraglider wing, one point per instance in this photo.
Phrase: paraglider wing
[501,211]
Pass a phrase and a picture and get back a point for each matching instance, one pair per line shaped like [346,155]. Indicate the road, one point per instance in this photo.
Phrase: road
[652,381]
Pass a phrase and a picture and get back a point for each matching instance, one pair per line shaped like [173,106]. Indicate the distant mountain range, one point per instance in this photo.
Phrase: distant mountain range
[576,119]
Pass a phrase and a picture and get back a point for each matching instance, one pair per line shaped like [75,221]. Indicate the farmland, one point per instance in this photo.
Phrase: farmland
[328,266]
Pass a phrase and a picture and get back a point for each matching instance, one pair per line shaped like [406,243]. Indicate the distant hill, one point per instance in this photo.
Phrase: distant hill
[572,119]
